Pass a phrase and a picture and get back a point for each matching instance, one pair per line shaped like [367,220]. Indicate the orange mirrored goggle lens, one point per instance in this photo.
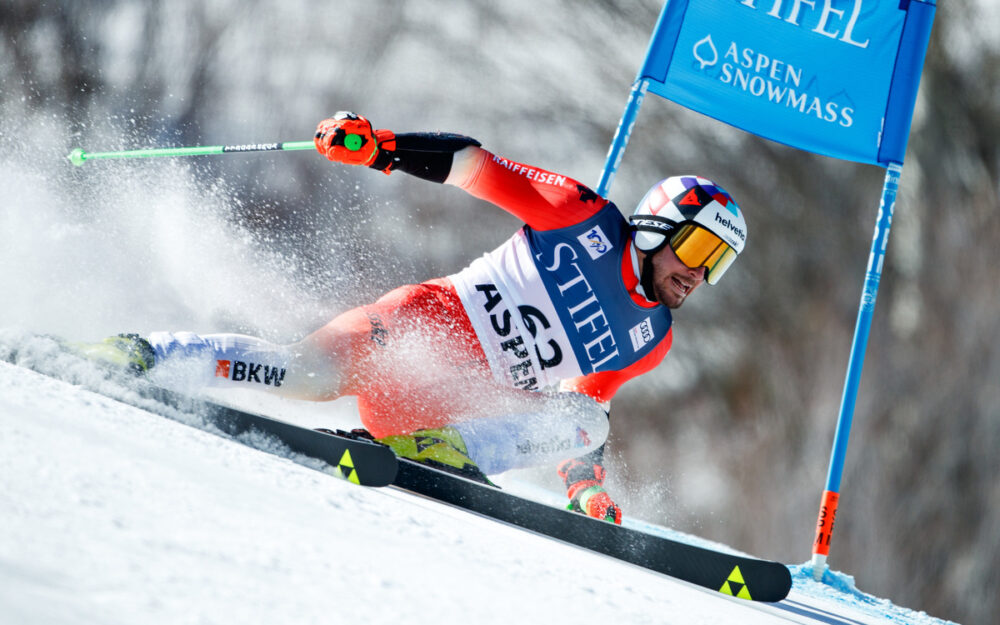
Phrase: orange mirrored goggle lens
[697,247]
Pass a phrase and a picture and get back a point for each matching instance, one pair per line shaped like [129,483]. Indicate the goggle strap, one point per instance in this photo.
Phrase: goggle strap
[652,223]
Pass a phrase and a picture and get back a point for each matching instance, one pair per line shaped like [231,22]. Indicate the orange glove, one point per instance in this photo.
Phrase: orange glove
[349,138]
[584,487]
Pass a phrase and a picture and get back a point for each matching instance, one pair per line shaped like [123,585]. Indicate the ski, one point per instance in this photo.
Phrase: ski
[375,465]
[734,575]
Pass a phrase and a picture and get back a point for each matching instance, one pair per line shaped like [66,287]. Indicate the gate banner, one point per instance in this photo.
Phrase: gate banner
[835,77]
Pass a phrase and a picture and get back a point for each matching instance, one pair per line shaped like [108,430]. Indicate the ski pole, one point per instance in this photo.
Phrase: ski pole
[78,157]
[876,258]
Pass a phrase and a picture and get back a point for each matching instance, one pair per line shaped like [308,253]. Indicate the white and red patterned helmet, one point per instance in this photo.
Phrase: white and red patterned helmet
[701,222]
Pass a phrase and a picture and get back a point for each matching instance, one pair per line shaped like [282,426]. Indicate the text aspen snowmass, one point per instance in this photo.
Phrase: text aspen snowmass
[762,76]
[781,83]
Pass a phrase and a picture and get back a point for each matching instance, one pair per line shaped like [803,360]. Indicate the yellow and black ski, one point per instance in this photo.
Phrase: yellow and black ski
[738,576]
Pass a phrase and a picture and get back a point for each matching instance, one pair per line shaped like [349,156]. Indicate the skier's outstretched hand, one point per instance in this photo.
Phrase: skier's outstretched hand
[585,489]
[349,138]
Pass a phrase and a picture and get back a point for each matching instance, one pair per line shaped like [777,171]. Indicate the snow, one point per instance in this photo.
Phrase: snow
[112,514]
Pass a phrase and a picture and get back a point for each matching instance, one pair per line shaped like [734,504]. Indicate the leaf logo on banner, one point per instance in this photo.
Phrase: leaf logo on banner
[699,50]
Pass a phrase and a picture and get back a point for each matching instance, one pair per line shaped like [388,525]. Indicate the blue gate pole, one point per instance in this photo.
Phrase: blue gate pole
[880,239]
[622,134]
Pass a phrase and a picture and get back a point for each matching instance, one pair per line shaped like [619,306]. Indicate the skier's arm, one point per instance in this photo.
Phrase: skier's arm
[541,199]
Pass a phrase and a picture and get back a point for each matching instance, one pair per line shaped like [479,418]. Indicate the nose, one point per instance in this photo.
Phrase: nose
[698,274]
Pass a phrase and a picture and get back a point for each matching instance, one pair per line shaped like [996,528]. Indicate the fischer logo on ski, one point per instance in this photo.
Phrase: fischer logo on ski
[346,470]
[734,586]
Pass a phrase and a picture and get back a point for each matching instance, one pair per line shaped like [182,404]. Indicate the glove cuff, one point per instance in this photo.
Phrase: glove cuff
[382,159]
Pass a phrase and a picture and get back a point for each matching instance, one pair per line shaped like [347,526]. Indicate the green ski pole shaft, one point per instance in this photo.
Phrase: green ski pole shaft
[78,157]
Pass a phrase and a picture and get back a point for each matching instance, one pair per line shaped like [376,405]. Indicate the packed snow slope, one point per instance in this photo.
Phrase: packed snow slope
[113,514]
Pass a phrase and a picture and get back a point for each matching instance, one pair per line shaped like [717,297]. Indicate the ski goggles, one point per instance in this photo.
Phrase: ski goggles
[697,247]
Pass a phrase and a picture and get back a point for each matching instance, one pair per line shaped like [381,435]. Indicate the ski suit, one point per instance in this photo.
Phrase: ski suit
[558,304]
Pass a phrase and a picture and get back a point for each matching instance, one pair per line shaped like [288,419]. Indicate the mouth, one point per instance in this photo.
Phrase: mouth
[680,286]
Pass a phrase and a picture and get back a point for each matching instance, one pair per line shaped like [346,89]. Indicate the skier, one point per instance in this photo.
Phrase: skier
[511,362]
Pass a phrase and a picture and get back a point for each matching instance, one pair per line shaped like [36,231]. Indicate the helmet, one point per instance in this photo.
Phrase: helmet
[697,218]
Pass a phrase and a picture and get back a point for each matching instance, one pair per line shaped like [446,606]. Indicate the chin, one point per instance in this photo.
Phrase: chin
[669,299]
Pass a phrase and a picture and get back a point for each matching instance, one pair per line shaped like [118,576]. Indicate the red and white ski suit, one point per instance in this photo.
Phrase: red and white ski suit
[424,356]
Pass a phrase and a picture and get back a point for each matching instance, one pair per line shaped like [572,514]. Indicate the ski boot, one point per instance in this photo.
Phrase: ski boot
[441,448]
[129,352]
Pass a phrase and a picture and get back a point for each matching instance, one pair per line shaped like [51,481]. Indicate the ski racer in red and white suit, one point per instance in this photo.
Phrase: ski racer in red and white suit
[559,305]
